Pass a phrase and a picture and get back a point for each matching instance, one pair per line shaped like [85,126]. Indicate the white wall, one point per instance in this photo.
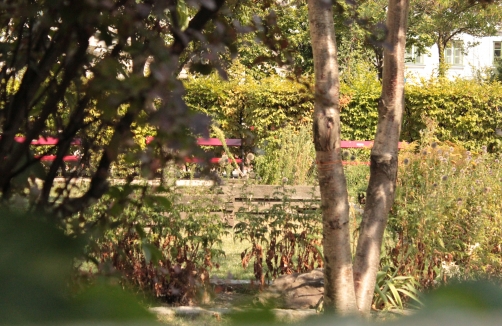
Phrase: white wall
[478,57]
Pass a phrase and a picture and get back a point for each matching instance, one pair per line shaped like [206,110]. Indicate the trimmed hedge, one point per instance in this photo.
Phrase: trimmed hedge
[248,108]
[466,112]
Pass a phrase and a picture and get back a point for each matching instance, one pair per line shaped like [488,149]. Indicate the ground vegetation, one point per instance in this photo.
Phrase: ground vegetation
[108,74]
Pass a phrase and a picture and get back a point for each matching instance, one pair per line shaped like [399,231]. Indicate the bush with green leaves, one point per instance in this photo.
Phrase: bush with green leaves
[283,238]
[497,71]
[358,102]
[244,107]
[468,112]
[288,158]
[395,291]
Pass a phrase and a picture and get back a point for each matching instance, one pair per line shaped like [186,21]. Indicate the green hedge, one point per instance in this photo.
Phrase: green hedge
[359,101]
[466,112]
[251,109]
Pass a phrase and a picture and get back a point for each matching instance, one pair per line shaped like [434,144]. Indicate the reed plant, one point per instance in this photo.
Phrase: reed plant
[289,159]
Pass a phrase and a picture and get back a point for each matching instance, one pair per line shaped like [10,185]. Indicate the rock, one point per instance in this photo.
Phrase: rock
[295,291]
[290,316]
[188,311]
[162,311]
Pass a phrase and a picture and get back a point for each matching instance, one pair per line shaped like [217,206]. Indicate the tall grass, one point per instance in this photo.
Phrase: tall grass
[288,159]
[446,222]
[447,217]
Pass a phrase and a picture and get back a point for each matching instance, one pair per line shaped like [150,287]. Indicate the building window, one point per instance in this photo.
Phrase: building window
[453,53]
[413,56]
[497,55]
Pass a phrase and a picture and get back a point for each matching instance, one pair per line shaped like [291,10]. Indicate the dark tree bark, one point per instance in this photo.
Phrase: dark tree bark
[99,181]
[52,79]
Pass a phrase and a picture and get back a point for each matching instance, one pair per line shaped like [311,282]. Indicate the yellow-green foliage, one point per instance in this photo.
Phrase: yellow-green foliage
[446,219]
[289,160]
[467,112]
[358,103]
[128,161]
[245,107]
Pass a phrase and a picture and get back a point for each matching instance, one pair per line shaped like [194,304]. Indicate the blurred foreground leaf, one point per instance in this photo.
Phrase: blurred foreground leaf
[481,296]
[35,272]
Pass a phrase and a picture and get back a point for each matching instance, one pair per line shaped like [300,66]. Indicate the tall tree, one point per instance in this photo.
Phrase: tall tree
[442,21]
[338,284]
[384,157]
[76,69]
[347,289]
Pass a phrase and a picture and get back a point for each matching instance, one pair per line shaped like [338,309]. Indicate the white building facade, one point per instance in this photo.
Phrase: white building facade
[479,57]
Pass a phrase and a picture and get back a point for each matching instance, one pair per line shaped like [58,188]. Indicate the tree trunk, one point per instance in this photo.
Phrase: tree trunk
[378,50]
[442,64]
[384,154]
[339,293]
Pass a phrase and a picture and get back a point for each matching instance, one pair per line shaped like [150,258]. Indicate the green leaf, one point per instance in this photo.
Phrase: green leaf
[395,294]
[382,295]
[410,295]
[140,231]
[152,253]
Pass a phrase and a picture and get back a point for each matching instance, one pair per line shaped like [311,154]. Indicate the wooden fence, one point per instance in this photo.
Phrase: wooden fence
[229,201]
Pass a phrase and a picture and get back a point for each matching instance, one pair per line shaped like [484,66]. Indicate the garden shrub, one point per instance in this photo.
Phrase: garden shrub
[446,222]
[93,140]
[283,239]
[153,248]
[357,179]
[288,159]
[467,112]
[496,73]
[358,104]
[248,108]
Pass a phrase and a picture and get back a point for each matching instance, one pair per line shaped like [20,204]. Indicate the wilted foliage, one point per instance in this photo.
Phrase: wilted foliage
[446,222]
[156,247]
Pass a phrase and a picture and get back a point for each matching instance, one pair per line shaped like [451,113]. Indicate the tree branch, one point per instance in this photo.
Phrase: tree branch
[70,68]
[383,168]
[99,181]
[196,25]
[20,104]
[99,184]
[64,143]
